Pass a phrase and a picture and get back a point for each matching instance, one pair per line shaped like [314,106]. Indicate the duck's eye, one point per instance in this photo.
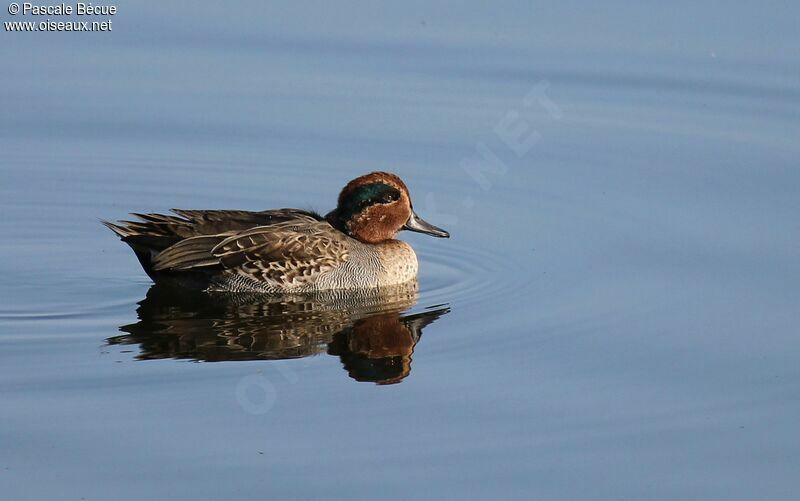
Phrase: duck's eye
[390,197]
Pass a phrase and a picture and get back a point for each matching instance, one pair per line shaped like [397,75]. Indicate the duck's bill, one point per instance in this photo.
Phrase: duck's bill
[416,223]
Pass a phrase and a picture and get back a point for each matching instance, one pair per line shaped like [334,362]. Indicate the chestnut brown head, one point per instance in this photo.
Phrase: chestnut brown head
[374,207]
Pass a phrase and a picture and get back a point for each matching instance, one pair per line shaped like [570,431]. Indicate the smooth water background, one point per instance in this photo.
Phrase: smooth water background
[624,292]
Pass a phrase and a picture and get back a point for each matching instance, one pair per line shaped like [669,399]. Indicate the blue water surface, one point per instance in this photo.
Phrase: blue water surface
[620,180]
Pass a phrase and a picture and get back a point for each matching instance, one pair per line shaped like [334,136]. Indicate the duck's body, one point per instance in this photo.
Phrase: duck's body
[284,250]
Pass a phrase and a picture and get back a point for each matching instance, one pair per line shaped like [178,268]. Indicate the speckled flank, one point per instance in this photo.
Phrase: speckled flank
[367,266]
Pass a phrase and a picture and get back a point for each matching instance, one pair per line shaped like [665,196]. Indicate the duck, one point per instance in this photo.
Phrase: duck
[285,250]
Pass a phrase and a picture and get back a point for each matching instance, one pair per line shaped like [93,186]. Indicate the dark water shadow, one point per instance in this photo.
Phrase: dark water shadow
[368,331]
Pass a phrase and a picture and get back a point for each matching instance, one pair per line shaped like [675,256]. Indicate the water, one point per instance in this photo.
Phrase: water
[615,315]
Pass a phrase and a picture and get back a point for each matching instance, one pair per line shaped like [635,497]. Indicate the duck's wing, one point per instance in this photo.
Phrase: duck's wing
[288,253]
[159,231]
[208,222]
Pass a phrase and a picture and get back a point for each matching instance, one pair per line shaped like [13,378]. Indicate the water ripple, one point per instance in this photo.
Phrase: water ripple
[468,275]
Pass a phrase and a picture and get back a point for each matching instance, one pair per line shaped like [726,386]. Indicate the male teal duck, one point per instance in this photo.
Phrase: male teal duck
[285,250]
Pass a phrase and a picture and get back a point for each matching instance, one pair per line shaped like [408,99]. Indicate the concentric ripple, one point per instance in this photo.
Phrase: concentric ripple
[466,275]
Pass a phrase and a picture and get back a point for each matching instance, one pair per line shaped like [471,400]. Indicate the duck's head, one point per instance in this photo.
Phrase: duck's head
[374,207]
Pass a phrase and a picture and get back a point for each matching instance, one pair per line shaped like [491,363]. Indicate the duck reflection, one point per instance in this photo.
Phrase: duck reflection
[367,331]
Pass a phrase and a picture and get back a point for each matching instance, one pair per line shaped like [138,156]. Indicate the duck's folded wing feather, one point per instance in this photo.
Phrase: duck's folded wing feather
[190,253]
[211,222]
[288,253]
[159,231]
[291,252]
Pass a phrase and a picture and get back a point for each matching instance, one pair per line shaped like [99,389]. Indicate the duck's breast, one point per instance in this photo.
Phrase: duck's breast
[398,263]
